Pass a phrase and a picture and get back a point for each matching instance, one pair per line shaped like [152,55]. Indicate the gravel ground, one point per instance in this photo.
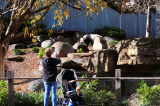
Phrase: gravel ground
[26,68]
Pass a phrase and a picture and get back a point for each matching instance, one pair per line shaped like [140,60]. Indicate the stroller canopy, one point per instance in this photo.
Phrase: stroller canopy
[67,74]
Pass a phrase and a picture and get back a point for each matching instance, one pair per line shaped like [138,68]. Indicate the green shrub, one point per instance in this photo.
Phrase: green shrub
[80,50]
[42,51]
[3,93]
[35,50]
[111,31]
[150,96]
[116,33]
[94,97]
[113,42]
[19,51]
[101,31]
[29,99]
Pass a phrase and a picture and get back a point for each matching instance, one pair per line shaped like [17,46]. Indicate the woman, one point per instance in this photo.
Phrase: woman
[49,75]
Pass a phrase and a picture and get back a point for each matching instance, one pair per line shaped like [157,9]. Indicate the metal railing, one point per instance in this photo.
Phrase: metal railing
[117,79]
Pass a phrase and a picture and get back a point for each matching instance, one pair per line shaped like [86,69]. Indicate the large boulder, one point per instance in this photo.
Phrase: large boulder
[133,99]
[69,40]
[63,48]
[16,46]
[46,43]
[139,51]
[36,85]
[102,61]
[60,38]
[99,43]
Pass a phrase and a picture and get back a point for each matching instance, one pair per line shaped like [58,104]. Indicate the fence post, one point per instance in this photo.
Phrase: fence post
[10,87]
[118,87]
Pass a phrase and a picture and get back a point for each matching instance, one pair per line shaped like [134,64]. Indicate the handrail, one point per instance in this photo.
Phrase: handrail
[101,78]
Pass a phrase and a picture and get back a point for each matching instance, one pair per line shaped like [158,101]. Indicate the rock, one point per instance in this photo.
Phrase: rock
[102,61]
[80,58]
[99,43]
[16,46]
[17,59]
[72,65]
[144,51]
[78,45]
[46,43]
[34,45]
[41,38]
[62,48]
[108,39]
[133,99]
[36,85]
[68,40]
[60,38]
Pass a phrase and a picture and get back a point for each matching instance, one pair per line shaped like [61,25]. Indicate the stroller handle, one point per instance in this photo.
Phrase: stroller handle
[79,80]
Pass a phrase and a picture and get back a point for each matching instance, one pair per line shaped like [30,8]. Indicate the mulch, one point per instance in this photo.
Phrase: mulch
[25,68]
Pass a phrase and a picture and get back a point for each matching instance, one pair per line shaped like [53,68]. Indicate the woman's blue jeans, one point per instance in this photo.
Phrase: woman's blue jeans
[53,87]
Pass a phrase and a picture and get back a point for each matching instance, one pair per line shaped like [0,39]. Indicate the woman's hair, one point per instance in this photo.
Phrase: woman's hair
[48,52]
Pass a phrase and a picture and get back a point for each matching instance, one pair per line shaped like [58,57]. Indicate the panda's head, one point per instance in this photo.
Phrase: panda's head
[81,40]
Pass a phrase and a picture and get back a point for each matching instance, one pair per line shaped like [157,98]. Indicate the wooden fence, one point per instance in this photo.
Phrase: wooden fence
[117,79]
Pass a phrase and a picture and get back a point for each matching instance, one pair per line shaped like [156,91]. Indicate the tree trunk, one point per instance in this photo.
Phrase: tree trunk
[2,55]
[3,51]
[148,26]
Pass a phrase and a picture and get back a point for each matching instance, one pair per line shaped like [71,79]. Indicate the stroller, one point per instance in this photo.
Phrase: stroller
[68,81]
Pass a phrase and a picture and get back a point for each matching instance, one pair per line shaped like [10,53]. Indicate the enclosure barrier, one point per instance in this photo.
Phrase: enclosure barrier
[117,79]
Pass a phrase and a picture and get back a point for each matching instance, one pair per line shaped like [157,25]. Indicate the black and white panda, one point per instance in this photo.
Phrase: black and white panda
[88,38]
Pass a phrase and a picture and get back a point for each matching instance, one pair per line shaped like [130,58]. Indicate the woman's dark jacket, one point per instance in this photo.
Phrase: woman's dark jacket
[50,68]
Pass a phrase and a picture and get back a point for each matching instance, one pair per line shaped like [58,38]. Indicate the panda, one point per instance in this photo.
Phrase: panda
[88,38]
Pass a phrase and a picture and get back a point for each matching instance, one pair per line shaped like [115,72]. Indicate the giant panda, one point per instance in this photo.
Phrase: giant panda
[88,38]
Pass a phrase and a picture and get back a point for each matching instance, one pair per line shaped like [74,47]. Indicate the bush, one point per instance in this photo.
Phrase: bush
[102,31]
[150,96]
[3,93]
[41,53]
[113,42]
[92,96]
[35,50]
[29,99]
[19,51]
[116,33]
[111,31]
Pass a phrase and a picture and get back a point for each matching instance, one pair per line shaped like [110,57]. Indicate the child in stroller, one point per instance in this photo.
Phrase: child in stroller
[71,89]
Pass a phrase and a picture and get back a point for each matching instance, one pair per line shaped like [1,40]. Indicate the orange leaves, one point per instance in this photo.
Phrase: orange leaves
[26,32]
[102,8]
[50,32]
[66,13]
